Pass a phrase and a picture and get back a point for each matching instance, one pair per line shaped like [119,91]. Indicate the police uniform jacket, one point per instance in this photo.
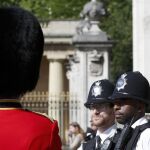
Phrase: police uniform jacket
[106,135]
[143,142]
[25,130]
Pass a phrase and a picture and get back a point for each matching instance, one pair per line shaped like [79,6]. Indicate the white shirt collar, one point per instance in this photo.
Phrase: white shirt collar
[107,133]
[140,121]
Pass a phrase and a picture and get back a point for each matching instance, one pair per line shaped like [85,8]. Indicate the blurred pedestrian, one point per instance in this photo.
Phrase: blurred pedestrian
[76,135]
[21,49]
[90,132]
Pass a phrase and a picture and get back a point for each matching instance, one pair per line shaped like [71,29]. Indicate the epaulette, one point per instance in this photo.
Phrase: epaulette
[42,114]
[45,115]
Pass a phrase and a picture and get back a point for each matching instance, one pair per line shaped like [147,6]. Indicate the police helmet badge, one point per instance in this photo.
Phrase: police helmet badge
[121,82]
[97,89]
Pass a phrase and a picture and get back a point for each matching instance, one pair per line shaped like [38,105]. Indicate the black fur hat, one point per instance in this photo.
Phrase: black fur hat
[21,48]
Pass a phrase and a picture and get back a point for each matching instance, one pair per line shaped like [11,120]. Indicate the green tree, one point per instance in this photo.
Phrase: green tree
[69,9]
[49,9]
[40,8]
[118,24]
[9,2]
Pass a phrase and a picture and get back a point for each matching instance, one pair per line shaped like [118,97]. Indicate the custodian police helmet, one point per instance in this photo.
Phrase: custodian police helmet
[131,85]
[99,92]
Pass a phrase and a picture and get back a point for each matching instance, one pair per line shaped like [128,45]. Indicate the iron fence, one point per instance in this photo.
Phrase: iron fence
[63,107]
[36,101]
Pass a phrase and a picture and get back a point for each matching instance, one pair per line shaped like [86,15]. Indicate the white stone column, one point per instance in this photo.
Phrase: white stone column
[56,74]
[55,84]
[56,87]
[56,70]
[83,90]
[141,37]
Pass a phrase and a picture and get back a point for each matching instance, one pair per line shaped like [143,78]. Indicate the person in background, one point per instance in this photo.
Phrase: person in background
[90,132]
[102,114]
[21,49]
[76,135]
[130,97]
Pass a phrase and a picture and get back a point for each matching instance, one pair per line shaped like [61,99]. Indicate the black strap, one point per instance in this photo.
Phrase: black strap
[110,142]
[114,140]
[89,145]
[90,136]
[117,135]
[136,134]
[10,104]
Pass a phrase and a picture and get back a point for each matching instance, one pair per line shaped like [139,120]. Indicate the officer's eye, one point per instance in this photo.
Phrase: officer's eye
[98,107]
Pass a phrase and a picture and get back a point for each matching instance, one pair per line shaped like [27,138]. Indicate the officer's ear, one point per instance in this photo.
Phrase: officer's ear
[141,107]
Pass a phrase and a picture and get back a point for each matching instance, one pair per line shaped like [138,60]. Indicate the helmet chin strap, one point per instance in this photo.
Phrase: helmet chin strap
[134,117]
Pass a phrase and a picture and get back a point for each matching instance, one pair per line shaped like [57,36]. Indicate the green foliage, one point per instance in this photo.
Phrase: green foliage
[66,8]
[9,2]
[118,24]
[50,9]
[40,8]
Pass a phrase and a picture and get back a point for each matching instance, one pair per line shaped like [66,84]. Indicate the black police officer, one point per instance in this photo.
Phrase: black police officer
[102,114]
[130,99]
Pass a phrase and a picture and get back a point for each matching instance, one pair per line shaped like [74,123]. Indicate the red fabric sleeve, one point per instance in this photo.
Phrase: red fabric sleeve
[55,141]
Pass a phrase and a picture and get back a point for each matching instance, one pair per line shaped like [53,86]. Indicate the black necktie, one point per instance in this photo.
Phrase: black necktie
[98,143]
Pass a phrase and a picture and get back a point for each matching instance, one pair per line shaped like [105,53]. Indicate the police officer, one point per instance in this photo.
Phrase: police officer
[21,49]
[130,99]
[102,114]
[91,131]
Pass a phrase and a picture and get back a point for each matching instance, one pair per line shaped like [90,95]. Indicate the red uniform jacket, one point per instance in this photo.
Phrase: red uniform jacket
[25,130]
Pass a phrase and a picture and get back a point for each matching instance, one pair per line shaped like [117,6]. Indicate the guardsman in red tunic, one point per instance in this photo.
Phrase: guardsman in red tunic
[21,49]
